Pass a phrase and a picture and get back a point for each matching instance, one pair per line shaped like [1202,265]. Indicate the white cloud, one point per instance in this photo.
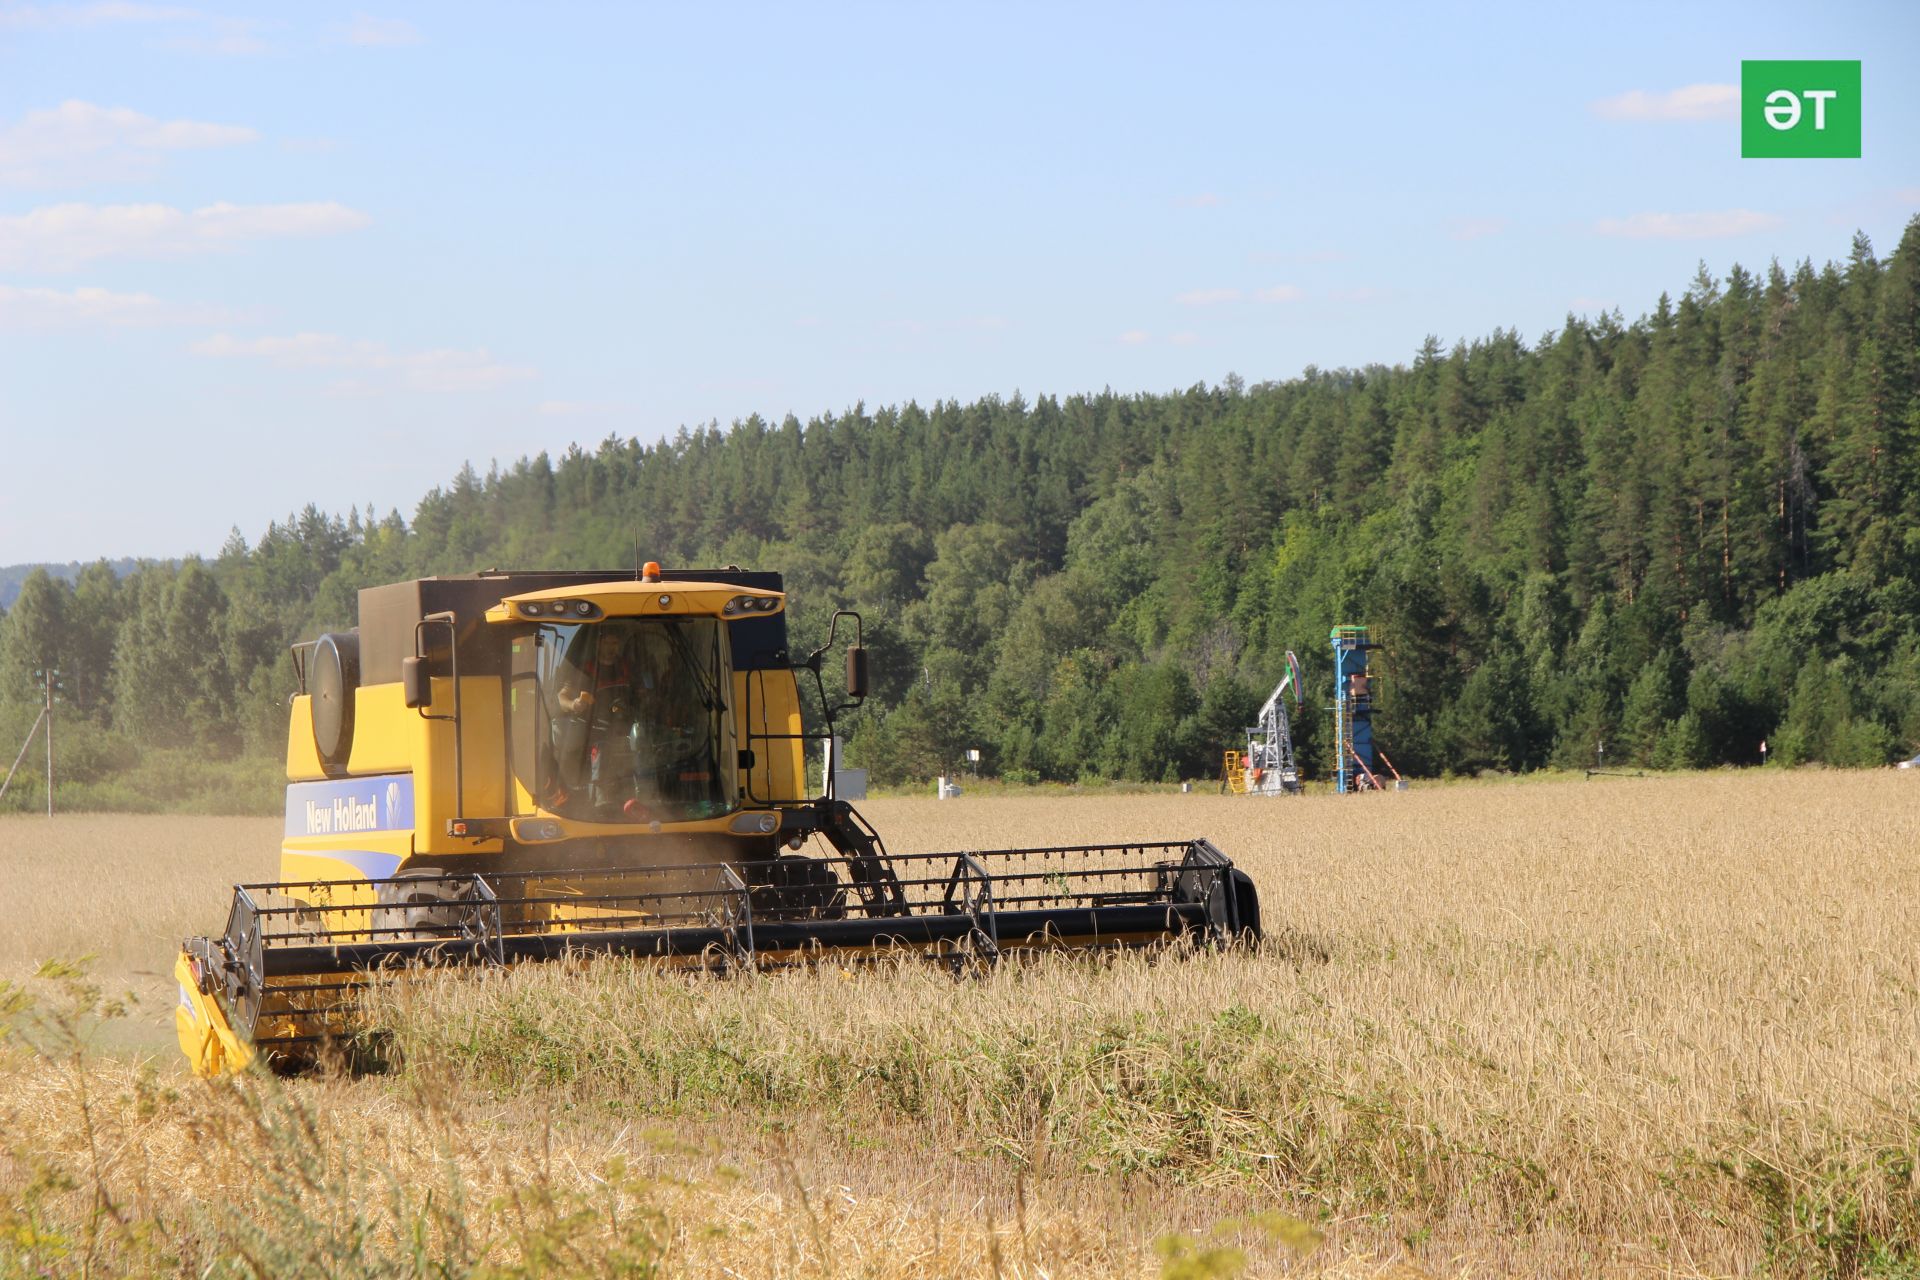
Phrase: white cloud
[202,32]
[43,310]
[1364,293]
[1183,339]
[252,221]
[1475,228]
[443,369]
[1688,226]
[450,370]
[381,32]
[82,142]
[1205,200]
[300,349]
[1134,338]
[1693,102]
[1282,293]
[1207,297]
[48,17]
[62,236]
[28,309]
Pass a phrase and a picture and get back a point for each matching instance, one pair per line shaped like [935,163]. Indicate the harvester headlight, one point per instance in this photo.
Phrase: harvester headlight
[559,609]
[538,830]
[754,824]
[665,601]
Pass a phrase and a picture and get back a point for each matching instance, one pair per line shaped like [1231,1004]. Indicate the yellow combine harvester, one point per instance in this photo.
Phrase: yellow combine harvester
[510,767]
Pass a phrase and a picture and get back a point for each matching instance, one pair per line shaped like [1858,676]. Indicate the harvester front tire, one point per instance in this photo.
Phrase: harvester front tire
[417,904]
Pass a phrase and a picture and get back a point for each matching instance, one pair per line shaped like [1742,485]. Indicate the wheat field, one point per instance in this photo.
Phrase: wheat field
[1660,1026]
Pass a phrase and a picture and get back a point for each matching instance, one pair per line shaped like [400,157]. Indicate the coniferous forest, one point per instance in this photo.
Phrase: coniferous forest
[1678,536]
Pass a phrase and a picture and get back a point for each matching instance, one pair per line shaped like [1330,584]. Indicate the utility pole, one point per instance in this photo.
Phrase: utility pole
[46,717]
[49,715]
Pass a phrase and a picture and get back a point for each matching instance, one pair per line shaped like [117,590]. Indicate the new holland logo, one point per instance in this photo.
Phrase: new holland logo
[343,813]
[347,805]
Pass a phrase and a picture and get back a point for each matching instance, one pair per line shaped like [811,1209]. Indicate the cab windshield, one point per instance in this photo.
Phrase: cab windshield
[636,722]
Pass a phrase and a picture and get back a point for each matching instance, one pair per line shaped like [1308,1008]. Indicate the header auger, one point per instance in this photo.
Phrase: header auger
[514,767]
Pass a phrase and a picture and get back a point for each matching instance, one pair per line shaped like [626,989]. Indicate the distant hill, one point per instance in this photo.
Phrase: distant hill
[11,576]
[1676,538]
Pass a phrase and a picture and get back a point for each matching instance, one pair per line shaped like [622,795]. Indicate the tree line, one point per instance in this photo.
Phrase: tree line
[1678,537]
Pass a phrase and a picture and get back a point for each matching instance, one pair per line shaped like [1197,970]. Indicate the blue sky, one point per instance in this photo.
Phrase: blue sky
[252,258]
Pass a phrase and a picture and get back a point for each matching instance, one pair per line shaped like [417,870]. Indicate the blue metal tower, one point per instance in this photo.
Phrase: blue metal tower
[1352,711]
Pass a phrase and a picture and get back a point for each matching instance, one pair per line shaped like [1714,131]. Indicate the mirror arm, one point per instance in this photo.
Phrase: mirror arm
[448,621]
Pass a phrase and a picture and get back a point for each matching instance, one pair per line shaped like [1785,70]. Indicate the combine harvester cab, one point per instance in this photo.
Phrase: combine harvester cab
[507,768]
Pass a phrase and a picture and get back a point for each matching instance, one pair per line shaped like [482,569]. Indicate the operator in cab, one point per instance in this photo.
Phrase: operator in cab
[635,729]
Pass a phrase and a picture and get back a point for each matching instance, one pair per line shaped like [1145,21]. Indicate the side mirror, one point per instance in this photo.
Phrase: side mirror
[856,672]
[415,685]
